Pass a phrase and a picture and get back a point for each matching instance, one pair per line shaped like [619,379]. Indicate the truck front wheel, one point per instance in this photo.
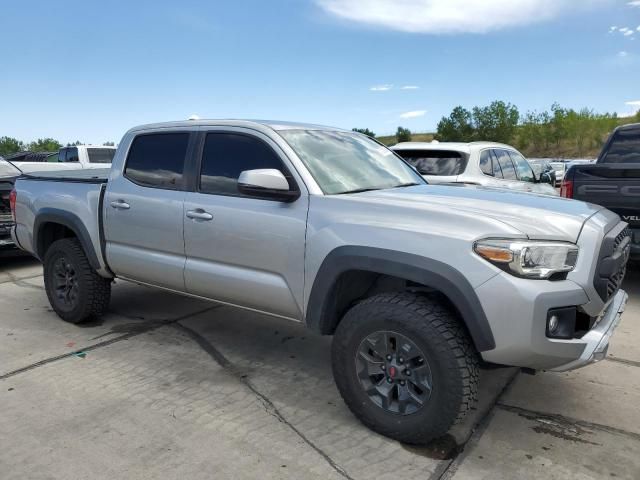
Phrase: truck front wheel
[75,291]
[405,366]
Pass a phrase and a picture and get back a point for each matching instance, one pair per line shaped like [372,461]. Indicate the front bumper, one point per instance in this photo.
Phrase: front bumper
[597,339]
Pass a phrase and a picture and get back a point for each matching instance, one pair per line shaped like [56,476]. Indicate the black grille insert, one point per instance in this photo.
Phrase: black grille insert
[612,264]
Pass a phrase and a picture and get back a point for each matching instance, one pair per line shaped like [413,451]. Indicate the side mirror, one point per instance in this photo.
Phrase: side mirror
[267,183]
[546,178]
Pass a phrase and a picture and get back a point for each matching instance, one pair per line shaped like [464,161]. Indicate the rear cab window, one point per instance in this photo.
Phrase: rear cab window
[100,155]
[157,160]
[72,154]
[624,147]
[436,162]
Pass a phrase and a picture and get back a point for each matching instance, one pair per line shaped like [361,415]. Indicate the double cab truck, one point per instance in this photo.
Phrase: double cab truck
[613,181]
[419,284]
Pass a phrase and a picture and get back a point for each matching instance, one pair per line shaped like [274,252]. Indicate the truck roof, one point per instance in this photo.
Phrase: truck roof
[272,124]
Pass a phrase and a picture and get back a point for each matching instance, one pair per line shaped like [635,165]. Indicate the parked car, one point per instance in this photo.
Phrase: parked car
[476,163]
[70,158]
[540,167]
[416,282]
[8,174]
[560,168]
[613,180]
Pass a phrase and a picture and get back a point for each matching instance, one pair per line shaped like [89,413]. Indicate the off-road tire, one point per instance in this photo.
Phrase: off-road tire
[436,330]
[93,291]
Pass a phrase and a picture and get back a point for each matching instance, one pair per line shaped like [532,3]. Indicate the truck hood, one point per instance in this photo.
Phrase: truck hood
[540,217]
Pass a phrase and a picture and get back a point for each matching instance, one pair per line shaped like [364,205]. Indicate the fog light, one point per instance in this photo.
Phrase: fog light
[561,323]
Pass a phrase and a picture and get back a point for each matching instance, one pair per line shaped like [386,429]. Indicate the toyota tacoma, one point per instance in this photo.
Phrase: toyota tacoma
[419,284]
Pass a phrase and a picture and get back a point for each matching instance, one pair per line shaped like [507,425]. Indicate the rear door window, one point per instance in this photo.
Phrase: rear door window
[101,155]
[624,148]
[435,162]
[508,170]
[523,169]
[157,160]
[497,171]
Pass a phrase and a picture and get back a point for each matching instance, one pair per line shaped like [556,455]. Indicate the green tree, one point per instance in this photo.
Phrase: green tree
[45,145]
[111,144]
[364,131]
[403,135]
[457,127]
[638,116]
[496,122]
[9,145]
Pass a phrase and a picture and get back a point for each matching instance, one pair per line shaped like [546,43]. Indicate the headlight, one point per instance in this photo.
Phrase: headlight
[530,259]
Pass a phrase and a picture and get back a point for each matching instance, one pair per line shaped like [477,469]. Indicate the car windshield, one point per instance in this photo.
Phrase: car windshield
[101,155]
[344,162]
[8,170]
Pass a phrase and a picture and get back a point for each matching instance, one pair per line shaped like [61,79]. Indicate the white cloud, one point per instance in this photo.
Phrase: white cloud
[381,88]
[622,54]
[638,29]
[634,3]
[628,33]
[414,114]
[613,29]
[633,103]
[409,87]
[452,16]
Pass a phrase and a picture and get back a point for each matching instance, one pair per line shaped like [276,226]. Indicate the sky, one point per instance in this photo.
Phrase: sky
[88,70]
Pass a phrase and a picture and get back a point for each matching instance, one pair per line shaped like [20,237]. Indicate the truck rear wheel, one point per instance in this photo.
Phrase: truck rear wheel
[75,291]
[405,366]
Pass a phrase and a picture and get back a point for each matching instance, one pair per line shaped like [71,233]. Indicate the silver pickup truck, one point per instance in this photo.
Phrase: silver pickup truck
[418,283]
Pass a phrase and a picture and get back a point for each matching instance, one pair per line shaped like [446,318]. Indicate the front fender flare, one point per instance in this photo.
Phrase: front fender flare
[425,271]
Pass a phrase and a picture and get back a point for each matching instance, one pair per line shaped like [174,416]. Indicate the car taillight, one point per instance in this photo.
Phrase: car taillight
[566,189]
[12,203]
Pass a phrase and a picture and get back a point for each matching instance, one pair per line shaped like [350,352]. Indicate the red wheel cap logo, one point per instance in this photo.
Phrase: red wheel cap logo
[392,372]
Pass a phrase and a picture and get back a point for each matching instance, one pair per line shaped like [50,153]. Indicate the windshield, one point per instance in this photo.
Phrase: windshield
[344,162]
[8,170]
[101,155]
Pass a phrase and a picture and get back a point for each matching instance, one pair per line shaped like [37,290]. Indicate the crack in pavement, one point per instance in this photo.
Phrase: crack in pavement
[151,325]
[267,404]
[625,361]
[535,415]
[20,281]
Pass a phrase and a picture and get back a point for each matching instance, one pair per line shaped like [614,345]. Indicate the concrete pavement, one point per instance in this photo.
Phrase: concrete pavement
[166,386]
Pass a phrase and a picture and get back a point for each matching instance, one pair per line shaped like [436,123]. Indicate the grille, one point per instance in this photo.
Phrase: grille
[612,264]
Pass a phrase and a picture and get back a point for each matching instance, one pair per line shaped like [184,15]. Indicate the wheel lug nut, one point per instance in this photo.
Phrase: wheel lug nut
[383,367]
[400,360]
[389,380]
[389,358]
[407,373]
[402,382]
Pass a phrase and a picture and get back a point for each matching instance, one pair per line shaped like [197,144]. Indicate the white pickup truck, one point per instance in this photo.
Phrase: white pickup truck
[72,158]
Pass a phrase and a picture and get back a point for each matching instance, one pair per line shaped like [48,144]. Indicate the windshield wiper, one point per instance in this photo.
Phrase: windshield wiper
[357,190]
[411,184]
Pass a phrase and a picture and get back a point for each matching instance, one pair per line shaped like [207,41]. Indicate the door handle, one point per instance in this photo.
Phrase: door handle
[199,214]
[120,205]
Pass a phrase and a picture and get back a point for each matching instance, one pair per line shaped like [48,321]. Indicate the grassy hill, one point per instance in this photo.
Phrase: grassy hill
[565,149]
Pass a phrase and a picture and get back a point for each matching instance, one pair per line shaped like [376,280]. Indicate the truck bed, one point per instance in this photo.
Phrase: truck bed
[94,175]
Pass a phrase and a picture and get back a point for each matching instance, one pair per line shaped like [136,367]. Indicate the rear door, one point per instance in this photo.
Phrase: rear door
[509,175]
[144,210]
[242,250]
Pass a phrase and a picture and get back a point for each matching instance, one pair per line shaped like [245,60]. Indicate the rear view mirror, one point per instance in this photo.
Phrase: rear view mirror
[267,183]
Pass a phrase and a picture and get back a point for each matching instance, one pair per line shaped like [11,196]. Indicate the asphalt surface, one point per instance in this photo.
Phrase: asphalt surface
[170,387]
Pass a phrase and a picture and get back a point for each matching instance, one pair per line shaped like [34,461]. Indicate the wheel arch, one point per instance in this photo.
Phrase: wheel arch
[53,224]
[324,310]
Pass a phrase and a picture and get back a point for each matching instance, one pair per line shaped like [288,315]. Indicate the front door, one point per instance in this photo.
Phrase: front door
[144,211]
[242,250]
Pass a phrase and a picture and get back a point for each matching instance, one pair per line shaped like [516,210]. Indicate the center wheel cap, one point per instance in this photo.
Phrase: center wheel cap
[392,372]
